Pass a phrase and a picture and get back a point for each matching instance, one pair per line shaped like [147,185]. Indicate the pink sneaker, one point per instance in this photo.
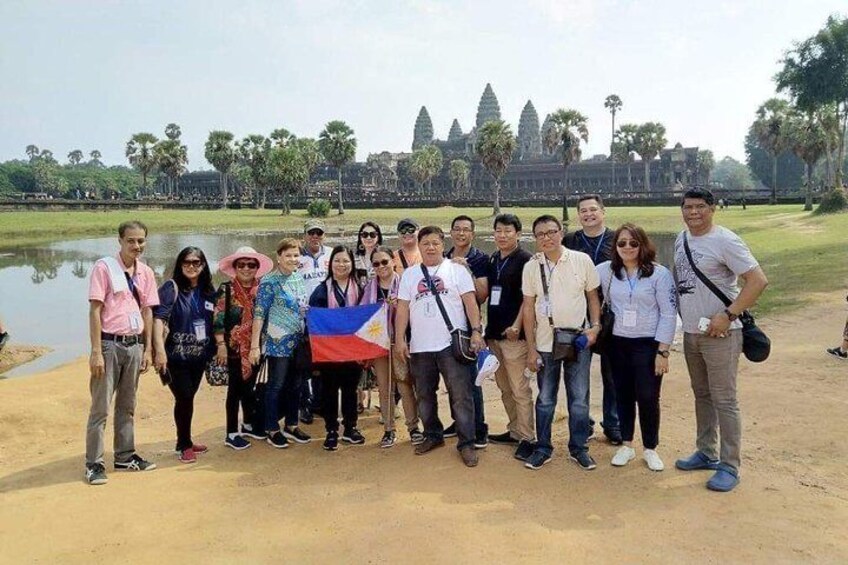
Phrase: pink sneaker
[188,456]
[199,448]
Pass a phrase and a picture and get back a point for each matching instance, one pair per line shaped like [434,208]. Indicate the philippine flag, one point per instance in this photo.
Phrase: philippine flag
[357,333]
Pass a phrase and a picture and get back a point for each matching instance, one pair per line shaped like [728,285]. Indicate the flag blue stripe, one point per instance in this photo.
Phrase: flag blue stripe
[339,321]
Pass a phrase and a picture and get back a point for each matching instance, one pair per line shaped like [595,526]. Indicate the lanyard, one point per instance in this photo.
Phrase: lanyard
[632,284]
[499,267]
[597,249]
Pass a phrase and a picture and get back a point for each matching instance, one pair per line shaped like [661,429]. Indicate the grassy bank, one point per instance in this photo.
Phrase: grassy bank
[801,254]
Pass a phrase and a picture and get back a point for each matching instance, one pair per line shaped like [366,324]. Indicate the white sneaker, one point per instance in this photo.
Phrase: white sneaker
[653,460]
[623,456]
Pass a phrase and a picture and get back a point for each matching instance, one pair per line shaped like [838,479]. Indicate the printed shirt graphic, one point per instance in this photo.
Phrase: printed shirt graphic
[429,331]
[181,311]
[279,300]
[314,269]
[722,256]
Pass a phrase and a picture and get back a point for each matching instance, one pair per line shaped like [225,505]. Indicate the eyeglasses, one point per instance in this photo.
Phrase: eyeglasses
[248,265]
[409,230]
[462,230]
[192,263]
[315,233]
[368,234]
[383,263]
[550,234]
[632,243]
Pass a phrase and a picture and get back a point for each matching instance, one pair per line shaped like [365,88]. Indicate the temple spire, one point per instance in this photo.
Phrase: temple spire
[423,134]
[488,109]
[529,138]
[455,133]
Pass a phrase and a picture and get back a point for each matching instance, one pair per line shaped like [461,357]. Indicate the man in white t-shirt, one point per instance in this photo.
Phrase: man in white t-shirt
[430,347]
[712,356]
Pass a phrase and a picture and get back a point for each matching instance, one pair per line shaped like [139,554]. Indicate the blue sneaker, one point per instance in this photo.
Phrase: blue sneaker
[696,462]
[725,479]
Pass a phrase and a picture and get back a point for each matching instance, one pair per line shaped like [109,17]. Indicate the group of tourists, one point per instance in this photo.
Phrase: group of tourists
[544,312]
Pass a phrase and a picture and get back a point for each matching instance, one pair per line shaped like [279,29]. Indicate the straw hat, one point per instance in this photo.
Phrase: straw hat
[225,265]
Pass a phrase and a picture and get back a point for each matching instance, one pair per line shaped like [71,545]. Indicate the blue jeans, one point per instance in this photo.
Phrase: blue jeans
[576,378]
[281,382]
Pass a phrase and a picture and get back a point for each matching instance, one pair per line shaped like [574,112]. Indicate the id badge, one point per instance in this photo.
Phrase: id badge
[629,320]
[135,321]
[495,297]
[200,330]
[544,307]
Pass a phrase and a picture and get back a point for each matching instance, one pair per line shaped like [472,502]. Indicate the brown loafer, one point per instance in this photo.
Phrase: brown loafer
[469,456]
[428,444]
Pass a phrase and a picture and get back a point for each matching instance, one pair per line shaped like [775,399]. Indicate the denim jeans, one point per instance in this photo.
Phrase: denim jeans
[576,378]
[425,368]
[281,382]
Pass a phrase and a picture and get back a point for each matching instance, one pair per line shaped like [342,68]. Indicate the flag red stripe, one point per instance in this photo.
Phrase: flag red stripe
[343,348]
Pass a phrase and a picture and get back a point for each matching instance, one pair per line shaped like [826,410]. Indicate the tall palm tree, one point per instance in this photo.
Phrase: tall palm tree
[613,103]
[75,157]
[809,143]
[282,137]
[286,171]
[311,156]
[425,163]
[338,146]
[95,155]
[495,146]
[567,128]
[140,154]
[172,157]
[706,164]
[253,152]
[221,154]
[459,171]
[648,142]
[625,145]
[173,131]
[32,151]
[769,129]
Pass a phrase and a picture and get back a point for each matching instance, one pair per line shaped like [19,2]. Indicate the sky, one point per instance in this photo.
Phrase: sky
[87,75]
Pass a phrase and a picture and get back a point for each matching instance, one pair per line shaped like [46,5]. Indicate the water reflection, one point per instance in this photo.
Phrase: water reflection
[43,289]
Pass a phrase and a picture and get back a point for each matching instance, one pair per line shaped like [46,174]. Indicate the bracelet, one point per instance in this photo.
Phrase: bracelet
[220,344]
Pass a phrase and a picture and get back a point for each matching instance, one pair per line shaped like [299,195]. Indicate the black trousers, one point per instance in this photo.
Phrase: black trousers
[241,392]
[185,380]
[636,384]
[335,378]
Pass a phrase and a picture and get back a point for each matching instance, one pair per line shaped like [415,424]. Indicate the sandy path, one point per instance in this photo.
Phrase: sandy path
[364,504]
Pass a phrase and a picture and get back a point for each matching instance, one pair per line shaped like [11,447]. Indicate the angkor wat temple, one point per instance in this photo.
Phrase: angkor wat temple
[535,174]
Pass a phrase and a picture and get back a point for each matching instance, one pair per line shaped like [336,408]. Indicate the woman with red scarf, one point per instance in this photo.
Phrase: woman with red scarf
[232,325]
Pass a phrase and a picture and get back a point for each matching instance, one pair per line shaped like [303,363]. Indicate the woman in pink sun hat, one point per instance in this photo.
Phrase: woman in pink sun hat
[232,325]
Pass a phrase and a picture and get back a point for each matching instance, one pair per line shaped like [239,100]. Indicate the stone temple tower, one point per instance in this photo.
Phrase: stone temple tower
[455,133]
[423,134]
[488,109]
[529,139]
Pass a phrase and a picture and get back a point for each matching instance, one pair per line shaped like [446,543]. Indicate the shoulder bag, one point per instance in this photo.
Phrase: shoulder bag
[755,343]
[460,339]
[563,348]
[602,343]
[219,375]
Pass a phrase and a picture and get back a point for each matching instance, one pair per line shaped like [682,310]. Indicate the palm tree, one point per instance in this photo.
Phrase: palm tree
[567,128]
[253,153]
[75,157]
[338,146]
[286,171]
[221,154]
[769,131]
[418,168]
[809,143]
[425,163]
[140,154]
[706,163]
[47,156]
[648,142]
[282,137]
[613,103]
[624,146]
[32,151]
[311,156]
[95,155]
[173,131]
[459,171]
[496,145]
[172,157]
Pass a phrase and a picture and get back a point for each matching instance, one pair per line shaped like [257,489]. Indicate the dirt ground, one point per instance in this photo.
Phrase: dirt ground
[371,505]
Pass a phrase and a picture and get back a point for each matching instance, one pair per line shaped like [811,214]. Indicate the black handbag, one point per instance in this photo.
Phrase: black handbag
[219,375]
[755,343]
[460,339]
[604,340]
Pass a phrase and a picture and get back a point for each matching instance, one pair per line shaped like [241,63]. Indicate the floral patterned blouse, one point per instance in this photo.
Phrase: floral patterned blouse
[281,302]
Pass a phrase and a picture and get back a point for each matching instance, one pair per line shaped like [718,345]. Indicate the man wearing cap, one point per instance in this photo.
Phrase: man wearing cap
[408,255]
[121,293]
[313,267]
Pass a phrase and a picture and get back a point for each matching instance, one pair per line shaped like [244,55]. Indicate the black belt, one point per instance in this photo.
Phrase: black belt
[125,339]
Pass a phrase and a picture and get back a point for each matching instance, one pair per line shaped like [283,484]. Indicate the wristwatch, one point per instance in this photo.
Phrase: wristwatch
[665,354]
[730,315]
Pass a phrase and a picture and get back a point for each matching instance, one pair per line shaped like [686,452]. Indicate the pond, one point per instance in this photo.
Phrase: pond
[43,288]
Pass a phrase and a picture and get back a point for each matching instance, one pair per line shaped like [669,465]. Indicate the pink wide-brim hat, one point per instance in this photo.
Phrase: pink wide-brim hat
[225,265]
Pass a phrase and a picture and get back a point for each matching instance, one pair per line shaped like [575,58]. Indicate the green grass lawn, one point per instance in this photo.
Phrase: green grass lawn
[800,253]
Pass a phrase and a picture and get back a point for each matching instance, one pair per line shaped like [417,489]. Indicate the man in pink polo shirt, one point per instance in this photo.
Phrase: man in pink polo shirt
[121,293]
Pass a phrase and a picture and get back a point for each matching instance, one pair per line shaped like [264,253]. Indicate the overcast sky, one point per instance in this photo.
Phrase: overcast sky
[89,74]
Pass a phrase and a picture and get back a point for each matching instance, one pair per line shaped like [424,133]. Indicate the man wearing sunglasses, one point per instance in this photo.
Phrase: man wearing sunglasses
[313,266]
[595,240]
[477,263]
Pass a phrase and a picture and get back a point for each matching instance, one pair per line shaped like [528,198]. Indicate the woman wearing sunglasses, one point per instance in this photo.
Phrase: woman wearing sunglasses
[383,288]
[186,302]
[369,238]
[233,324]
[643,299]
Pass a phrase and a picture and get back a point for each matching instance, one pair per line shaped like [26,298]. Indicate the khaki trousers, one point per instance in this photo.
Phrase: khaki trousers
[387,401]
[516,394]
